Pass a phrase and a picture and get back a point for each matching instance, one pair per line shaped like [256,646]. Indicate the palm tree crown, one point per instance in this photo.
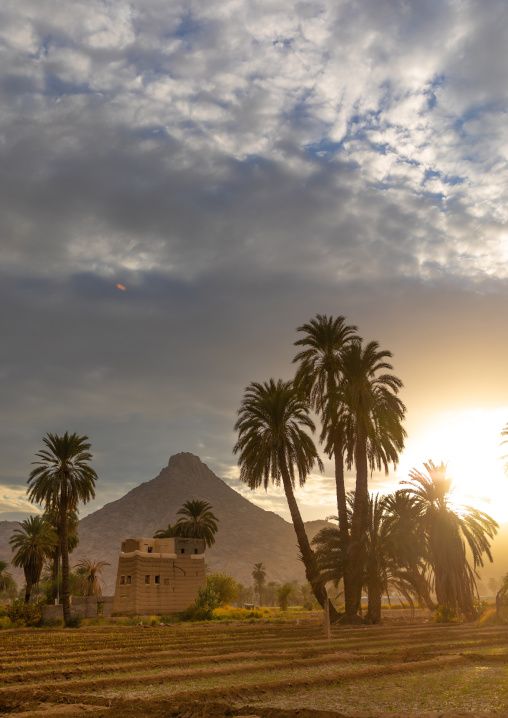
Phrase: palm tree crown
[271,436]
[63,470]
[197,521]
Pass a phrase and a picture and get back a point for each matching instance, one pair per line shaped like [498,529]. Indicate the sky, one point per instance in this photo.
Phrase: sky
[184,184]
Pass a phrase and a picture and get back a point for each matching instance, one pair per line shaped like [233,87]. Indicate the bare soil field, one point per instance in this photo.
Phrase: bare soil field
[265,668]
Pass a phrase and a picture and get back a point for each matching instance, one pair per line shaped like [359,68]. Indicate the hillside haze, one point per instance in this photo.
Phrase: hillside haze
[246,533]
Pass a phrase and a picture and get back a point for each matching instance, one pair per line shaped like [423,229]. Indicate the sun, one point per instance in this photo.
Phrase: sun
[469,442]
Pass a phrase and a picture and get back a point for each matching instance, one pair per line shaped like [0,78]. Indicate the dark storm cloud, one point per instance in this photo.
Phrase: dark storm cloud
[238,168]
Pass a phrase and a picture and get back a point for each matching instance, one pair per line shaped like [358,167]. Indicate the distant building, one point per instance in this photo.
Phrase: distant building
[159,576]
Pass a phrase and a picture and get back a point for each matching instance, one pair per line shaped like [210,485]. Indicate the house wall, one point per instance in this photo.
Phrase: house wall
[180,576]
[84,606]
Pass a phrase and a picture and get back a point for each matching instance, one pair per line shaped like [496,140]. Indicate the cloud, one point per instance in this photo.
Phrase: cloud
[239,167]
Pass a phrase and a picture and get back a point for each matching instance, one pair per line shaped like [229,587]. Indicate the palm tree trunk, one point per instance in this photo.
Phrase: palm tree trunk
[64,547]
[374,591]
[309,561]
[28,588]
[358,523]
[341,500]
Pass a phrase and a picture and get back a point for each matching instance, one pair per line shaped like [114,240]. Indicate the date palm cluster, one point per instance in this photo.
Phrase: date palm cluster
[349,385]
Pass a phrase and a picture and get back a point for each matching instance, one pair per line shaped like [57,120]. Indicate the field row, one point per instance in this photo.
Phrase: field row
[112,669]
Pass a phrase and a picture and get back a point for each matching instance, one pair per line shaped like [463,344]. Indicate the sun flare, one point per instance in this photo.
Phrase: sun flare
[469,443]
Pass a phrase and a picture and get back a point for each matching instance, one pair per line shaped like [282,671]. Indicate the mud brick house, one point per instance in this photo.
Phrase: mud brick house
[159,576]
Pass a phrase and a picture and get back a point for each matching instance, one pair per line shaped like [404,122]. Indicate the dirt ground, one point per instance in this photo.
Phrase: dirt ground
[408,666]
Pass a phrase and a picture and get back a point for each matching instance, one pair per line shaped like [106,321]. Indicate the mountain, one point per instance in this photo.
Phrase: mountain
[247,533]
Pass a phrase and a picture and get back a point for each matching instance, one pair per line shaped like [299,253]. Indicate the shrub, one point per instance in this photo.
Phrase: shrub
[5,622]
[24,614]
[74,621]
[283,595]
[309,605]
[224,586]
[52,622]
[444,614]
[489,618]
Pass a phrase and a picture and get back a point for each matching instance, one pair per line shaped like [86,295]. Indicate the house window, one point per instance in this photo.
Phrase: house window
[147,579]
[166,581]
[195,550]
[150,549]
[157,579]
[182,550]
[129,580]
[122,580]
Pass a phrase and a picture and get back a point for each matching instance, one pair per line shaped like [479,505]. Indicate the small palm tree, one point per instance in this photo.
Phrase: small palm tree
[197,521]
[34,542]
[170,532]
[62,479]
[449,530]
[259,576]
[6,580]
[91,572]
[274,447]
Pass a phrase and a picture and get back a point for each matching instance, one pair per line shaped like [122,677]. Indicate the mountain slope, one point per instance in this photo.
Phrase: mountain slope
[247,534]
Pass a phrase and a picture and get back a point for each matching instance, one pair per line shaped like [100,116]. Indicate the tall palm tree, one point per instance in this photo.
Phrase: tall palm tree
[449,530]
[91,570]
[6,580]
[34,542]
[319,374]
[274,447]
[374,415]
[197,521]
[259,576]
[62,478]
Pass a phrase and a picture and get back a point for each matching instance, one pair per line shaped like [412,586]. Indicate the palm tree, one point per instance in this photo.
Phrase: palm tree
[34,542]
[381,565]
[403,518]
[62,479]
[259,576]
[197,521]
[273,447]
[319,375]
[449,530]
[373,416]
[170,532]
[6,580]
[91,571]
